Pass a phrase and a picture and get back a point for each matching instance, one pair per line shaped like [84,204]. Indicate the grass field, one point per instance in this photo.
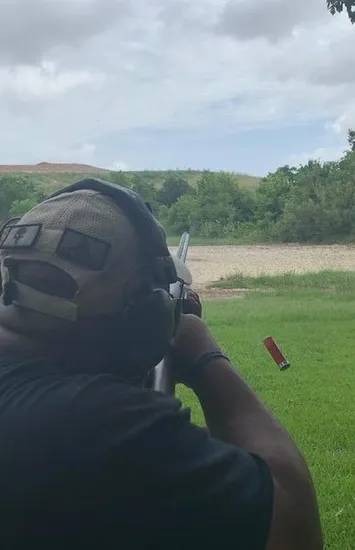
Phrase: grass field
[313,282]
[315,399]
[173,240]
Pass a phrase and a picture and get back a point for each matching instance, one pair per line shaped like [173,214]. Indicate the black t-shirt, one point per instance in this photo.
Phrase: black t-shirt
[88,462]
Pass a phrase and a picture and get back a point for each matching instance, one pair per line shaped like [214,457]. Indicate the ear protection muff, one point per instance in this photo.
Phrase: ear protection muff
[146,326]
[146,329]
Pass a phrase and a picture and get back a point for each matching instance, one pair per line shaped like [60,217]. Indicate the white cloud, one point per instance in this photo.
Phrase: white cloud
[30,29]
[269,19]
[322,154]
[75,72]
[345,121]
[26,83]
[82,154]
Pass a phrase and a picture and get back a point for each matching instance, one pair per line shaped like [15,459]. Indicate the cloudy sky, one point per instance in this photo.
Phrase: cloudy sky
[242,85]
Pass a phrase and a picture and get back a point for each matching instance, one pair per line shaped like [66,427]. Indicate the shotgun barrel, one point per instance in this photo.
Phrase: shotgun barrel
[162,377]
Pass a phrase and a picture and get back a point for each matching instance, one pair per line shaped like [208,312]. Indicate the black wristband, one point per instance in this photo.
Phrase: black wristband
[196,369]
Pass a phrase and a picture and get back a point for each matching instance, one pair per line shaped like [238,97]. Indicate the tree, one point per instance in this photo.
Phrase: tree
[273,192]
[351,140]
[338,6]
[120,178]
[173,188]
[20,207]
[216,208]
[184,215]
[146,190]
[17,194]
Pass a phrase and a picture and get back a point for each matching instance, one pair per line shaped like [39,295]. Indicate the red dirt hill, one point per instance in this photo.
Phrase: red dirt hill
[51,168]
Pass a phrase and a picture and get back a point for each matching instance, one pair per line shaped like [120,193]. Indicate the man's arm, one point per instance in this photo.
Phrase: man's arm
[235,415]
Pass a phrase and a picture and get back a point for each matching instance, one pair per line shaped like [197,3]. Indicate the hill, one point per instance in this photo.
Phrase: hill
[52,176]
[48,167]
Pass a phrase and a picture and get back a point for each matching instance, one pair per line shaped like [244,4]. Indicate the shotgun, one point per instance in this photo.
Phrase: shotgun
[162,379]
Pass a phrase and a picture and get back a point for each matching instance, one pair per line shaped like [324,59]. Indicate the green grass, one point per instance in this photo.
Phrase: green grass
[331,280]
[314,399]
[252,238]
[173,240]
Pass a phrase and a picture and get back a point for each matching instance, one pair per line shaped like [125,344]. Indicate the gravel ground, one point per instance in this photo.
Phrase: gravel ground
[210,263]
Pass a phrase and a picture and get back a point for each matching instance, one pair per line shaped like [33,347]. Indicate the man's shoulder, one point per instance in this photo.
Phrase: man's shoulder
[78,404]
[104,403]
[84,419]
[89,392]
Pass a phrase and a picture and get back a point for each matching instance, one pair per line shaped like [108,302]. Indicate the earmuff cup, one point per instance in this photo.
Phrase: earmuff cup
[146,330]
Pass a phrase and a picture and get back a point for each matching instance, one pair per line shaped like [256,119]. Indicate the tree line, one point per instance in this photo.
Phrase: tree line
[314,202]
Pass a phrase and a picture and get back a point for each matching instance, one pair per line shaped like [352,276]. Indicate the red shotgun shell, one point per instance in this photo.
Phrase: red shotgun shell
[276,353]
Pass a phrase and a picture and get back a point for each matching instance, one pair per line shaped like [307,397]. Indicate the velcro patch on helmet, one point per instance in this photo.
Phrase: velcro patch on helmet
[20,236]
[83,250]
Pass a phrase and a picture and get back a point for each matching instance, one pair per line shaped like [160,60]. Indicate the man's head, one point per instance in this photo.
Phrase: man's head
[88,266]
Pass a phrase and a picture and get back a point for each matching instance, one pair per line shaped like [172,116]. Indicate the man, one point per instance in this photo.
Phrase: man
[89,457]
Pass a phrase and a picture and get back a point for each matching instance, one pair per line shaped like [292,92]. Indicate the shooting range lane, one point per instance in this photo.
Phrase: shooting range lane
[210,263]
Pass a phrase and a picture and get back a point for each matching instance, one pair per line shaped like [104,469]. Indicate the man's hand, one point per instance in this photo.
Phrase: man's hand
[193,340]
[192,305]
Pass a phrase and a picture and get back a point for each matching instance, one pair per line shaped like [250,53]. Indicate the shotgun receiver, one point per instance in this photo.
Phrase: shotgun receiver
[162,379]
